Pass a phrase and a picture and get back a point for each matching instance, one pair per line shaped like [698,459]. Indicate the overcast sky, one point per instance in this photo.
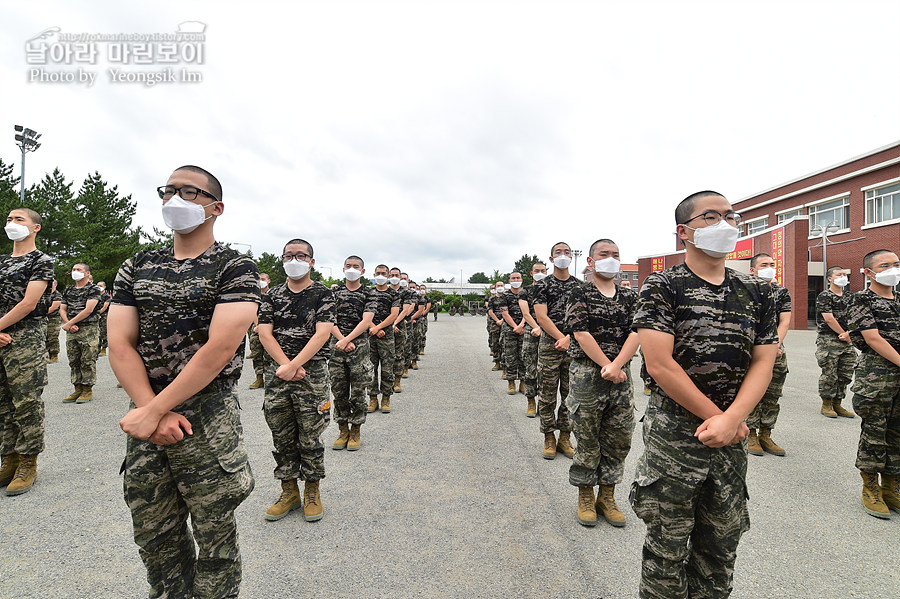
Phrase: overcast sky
[448,136]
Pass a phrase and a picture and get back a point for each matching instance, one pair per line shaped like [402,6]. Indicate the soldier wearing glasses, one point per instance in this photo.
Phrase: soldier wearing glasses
[176,336]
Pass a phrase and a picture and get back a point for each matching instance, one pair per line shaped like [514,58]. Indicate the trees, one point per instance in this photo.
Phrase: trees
[270,264]
[479,277]
[523,266]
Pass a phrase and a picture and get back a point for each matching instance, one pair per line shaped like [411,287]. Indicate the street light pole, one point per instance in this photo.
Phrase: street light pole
[27,140]
[824,231]
[576,253]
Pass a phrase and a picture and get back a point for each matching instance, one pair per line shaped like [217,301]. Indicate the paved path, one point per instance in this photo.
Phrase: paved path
[448,497]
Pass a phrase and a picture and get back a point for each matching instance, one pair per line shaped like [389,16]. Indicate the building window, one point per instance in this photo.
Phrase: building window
[837,211]
[757,225]
[783,218]
[634,276]
[883,204]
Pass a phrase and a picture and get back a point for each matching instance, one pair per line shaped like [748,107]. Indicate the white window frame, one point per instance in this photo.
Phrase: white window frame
[813,206]
[782,215]
[895,218]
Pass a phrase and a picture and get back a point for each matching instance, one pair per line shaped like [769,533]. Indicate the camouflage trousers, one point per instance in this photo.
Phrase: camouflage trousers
[292,411]
[102,331]
[876,400]
[494,340]
[512,354]
[351,375]
[381,354]
[399,349]
[423,332]
[602,415]
[54,323]
[553,374]
[836,359]
[82,347]
[23,375]
[766,411]
[414,339]
[693,500]
[205,476]
[530,362]
[261,360]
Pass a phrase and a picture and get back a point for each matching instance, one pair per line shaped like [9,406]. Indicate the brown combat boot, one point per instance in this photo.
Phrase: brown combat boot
[8,465]
[828,409]
[74,396]
[840,411]
[312,503]
[503,374]
[587,511]
[397,387]
[496,366]
[53,359]
[766,442]
[606,505]
[343,438]
[26,472]
[258,383]
[565,444]
[753,445]
[87,394]
[890,491]
[549,451]
[102,352]
[405,374]
[511,388]
[531,410]
[872,499]
[354,442]
[414,365]
[373,404]
[289,500]
[385,404]
[522,387]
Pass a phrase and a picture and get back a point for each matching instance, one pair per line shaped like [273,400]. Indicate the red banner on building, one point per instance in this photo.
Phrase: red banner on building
[657,264]
[778,255]
[742,251]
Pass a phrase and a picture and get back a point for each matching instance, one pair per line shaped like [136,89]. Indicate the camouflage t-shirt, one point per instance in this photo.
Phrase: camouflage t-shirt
[175,300]
[607,319]
[55,296]
[510,303]
[75,300]
[782,299]
[17,272]
[349,307]
[715,326]
[294,316]
[868,310]
[383,302]
[829,302]
[495,304]
[554,294]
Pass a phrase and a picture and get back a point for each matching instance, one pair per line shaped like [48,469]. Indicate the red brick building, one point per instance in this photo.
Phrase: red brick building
[861,196]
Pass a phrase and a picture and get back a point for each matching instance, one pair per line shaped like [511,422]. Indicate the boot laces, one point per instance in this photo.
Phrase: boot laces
[311,498]
[586,501]
[24,471]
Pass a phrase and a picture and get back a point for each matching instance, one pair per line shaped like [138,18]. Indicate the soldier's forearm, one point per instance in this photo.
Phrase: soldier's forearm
[756,381]
[589,345]
[129,369]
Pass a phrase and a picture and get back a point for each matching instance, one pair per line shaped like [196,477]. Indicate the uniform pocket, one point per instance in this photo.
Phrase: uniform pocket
[222,426]
[643,498]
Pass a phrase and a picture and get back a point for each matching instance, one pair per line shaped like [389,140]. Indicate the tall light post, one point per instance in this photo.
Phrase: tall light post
[576,253]
[27,140]
[819,230]
[249,247]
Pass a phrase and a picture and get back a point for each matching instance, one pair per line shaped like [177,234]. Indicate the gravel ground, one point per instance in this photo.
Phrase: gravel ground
[449,497]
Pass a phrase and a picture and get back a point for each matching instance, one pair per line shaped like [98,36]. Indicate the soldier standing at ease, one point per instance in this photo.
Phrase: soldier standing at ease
[709,338]
[414,338]
[531,337]
[423,291]
[550,300]
[102,311]
[24,297]
[257,353]
[601,402]
[295,322]
[382,347]
[514,329]
[54,323]
[874,319]
[178,351]
[400,326]
[81,322]
[834,349]
[350,366]
[495,323]
[764,415]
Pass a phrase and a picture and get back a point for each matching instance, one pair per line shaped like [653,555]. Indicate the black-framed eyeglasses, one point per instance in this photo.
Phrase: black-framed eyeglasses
[299,256]
[187,192]
[711,217]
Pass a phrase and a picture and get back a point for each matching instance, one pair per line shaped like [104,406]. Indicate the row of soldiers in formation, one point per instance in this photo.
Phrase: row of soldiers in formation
[569,345]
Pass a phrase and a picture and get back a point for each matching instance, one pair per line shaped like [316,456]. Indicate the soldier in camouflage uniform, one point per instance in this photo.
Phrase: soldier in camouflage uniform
[296,319]
[414,339]
[54,323]
[102,311]
[512,331]
[600,401]
[399,327]
[413,298]
[423,324]
[24,300]
[261,359]
[550,300]
[531,338]
[350,366]
[382,348]
[709,337]
[494,325]
[834,349]
[79,308]
[764,415]
[176,340]
[874,323]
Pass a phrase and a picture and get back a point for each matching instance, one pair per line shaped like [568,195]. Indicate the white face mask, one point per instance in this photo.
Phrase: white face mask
[842,281]
[296,269]
[404,283]
[380,279]
[493,291]
[263,284]
[539,276]
[394,280]
[16,232]
[501,289]
[607,267]
[351,274]
[421,292]
[182,216]
[562,262]
[766,273]
[77,275]
[889,277]
[515,284]
[717,241]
